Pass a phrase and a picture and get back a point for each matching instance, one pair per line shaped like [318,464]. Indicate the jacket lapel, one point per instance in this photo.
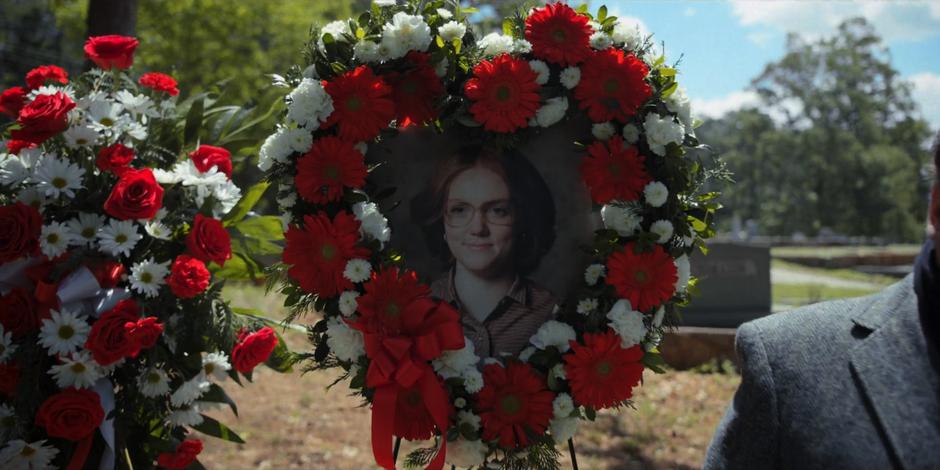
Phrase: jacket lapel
[893,370]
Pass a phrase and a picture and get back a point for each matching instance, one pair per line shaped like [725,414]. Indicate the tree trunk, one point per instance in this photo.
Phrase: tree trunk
[111,17]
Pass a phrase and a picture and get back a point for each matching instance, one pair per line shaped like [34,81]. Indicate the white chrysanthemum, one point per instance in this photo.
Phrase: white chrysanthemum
[495,44]
[137,105]
[662,229]
[300,140]
[80,136]
[627,34]
[348,303]
[683,272]
[655,193]
[600,40]
[18,455]
[84,228]
[463,454]
[631,134]
[309,105]
[153,383]
[521,46]
[473,381]
[188,416]
[373,225]
[603,130]
[452,30]
[444,13]
[456,363]
[357,270]
[570,77]
[275,148]
[586,306]
[6,345]
[287,201]
[147,276]
[157,229]
[190,390]
[77,370]
[55,176]
[13,169]
[679,103]
[593,273]
[553,333]
[467,417]
[561,429]
[563,405]
[407,33]
[216,365]
[54,239]
[338,29]
[367,52]
[541,70]
[624,219]
[63,332]
[627,323]
[346,343]
[661,132]
[118,237]
[552,111]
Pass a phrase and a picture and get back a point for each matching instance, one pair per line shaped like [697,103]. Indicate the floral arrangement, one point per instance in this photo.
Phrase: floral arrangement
[113,336]
[420,64]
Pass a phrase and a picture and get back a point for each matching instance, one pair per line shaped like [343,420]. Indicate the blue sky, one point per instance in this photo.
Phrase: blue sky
[726,44]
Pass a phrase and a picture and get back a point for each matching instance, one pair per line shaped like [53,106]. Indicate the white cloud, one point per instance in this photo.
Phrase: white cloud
[894,21]
[717,107]
[927,95]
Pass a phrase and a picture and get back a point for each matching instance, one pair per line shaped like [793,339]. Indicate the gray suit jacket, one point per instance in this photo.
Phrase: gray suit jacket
[848,384]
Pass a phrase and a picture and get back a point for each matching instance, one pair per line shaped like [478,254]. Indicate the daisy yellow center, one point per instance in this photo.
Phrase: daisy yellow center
[510,404]
[328,252]
[559,36]
[27,451]
[53,238]
[354,103]
[640,276]
[81,141]
[153,378]
[88,232]
[146,278]
[59,182]
[503,93]
[603,368]
[78,368]
[611,86]
[66,331]
[392,309]
[107,122]
[331,172]
[120,238]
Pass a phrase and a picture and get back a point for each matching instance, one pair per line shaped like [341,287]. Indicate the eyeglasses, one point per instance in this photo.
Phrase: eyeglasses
[459,214]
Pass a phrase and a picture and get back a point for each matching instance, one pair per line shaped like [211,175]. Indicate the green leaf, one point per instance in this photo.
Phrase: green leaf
[457,43]
[439,41]
[281,359]
[193,121]
[470,10]
[265,227]
[670,90]
[654,362]
[601,13]
[239,268]
[217,395]
[590,413]
[667,72]
[246,203]
[211,427]
[507,27]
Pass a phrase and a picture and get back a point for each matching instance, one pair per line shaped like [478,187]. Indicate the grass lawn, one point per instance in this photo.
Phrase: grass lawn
[837,251]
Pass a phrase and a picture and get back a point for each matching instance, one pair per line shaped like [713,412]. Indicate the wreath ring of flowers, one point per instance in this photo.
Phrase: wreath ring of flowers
[419,64]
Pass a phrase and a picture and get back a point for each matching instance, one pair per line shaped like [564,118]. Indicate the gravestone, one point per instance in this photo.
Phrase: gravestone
[734,285]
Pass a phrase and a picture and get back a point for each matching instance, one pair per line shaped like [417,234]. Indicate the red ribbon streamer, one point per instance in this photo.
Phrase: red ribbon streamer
[82,449]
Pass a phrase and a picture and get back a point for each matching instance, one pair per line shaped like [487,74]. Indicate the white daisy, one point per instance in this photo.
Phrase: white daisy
[77,370]
[663,229]
[13,169]
[80,136]
[104,115]
[357,270]
[6,345]
[570,77]
[66,89]
[157,229]
[586,306]
[132,129]
[655,193]
[137,105]
[54,239]
[216,365]
[33,197]
[541,70]
[93,97]
[147,276]
[190,390]
[64,332]
[593,273]
[17,454]
[118,237]
[348,303]
[188,416]
[54,176]
[153,383]
[84,228]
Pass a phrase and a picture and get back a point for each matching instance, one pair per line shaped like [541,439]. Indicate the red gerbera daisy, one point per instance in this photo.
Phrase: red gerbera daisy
[415,91]
[558,34]
[38,76]
[614,170]
[645,279]
[387,301]
[504,93]
[514,404]
[331,165]
[318,252]
[602,374]
[362,104]
[613,85]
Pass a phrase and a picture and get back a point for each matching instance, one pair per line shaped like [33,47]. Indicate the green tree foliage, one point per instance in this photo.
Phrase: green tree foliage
[845,150]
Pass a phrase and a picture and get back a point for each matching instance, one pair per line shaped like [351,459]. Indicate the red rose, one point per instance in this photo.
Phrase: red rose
[159,82]
[9,379]
[111,51]
[109,341]
[71,414]
[19,312]
[44,117]
[184,456]
[20,226]
[209,241]
[115,158]
[14,146]
[206,156]
[145,331]
[107,272]
[188,277]
[12,101]
[253,349]
[38,76]
[137,195]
